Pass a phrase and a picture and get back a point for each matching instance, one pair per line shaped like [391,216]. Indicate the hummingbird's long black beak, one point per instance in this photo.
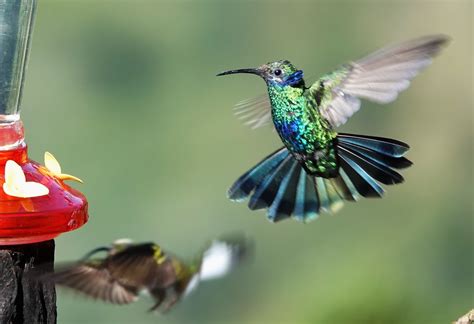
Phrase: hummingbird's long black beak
[251,71]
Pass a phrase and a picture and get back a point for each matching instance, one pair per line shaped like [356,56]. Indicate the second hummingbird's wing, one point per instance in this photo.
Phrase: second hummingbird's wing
[223,255]
[378,77]
[254,112]
[93,281]
[142,266]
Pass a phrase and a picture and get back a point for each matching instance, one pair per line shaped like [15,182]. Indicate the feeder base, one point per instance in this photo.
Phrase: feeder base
[27,239]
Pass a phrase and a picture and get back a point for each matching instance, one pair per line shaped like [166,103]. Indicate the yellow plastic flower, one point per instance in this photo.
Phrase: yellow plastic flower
[55,168]
[16,185]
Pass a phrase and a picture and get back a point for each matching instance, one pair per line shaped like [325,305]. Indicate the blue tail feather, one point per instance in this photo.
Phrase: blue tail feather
[344,187]
[386,160]
[324,201]
[351,188]
[335,196]
[386,146]
[307,199]
[364,183]
[242,188]
[267,189]
[284,201]
[281,185]
[300,196]
[375,169]
[312,203]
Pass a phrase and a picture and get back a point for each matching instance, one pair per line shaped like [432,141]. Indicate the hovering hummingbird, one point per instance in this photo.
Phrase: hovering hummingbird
[318,168]
[128,269]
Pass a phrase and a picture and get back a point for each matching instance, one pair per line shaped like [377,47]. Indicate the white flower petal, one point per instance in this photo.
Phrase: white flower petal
[51,163]
[16,186]
[14,173]
[34,189]
[26,190]
[54,167]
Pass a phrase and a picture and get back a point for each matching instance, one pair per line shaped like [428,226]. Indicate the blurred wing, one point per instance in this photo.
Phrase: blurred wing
[254,112]
[221,257]
[93,281]
[141,266]
[379,77]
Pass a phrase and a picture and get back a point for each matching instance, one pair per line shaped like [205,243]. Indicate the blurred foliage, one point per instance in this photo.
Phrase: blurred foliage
[124,94]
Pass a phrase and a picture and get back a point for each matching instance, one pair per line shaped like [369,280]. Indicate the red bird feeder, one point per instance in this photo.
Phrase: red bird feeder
[35,202]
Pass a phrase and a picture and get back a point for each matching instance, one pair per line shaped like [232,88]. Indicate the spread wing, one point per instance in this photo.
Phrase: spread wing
[254,112]
[92,280]
[378,77]
[119,277]
[223,255]
[143,265]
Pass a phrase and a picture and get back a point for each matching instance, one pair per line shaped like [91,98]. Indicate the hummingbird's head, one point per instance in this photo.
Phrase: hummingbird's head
[281,73]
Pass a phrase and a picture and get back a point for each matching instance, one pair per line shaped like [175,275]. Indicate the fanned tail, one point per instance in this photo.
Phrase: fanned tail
[281,185]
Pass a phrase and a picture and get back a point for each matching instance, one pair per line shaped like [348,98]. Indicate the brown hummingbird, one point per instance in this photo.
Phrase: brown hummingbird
[128,269]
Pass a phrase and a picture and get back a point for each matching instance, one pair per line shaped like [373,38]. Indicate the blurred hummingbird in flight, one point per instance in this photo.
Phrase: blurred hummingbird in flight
[128,269]
[319,168]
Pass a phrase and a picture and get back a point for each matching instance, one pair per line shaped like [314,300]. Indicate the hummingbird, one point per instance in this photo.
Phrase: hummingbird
[128,269]
[318,168]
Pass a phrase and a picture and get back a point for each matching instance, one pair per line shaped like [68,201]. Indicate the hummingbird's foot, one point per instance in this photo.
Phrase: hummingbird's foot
[159,296]
[170,304]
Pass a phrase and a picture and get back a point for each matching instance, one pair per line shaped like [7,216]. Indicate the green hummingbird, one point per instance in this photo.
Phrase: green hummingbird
[319,168]
[128,269]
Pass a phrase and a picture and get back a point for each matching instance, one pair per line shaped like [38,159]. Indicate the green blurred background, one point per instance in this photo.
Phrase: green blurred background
[124,94]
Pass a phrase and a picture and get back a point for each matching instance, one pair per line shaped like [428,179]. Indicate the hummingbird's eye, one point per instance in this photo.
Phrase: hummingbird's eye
[277,72]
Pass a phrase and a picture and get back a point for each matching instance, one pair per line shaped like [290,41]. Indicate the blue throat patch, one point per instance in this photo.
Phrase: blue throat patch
[294,78]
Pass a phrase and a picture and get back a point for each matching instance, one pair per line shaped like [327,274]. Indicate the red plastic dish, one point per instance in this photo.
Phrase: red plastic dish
[30,220]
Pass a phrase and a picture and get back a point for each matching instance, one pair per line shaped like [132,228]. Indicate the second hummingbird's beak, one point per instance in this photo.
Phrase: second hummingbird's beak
[251,71]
